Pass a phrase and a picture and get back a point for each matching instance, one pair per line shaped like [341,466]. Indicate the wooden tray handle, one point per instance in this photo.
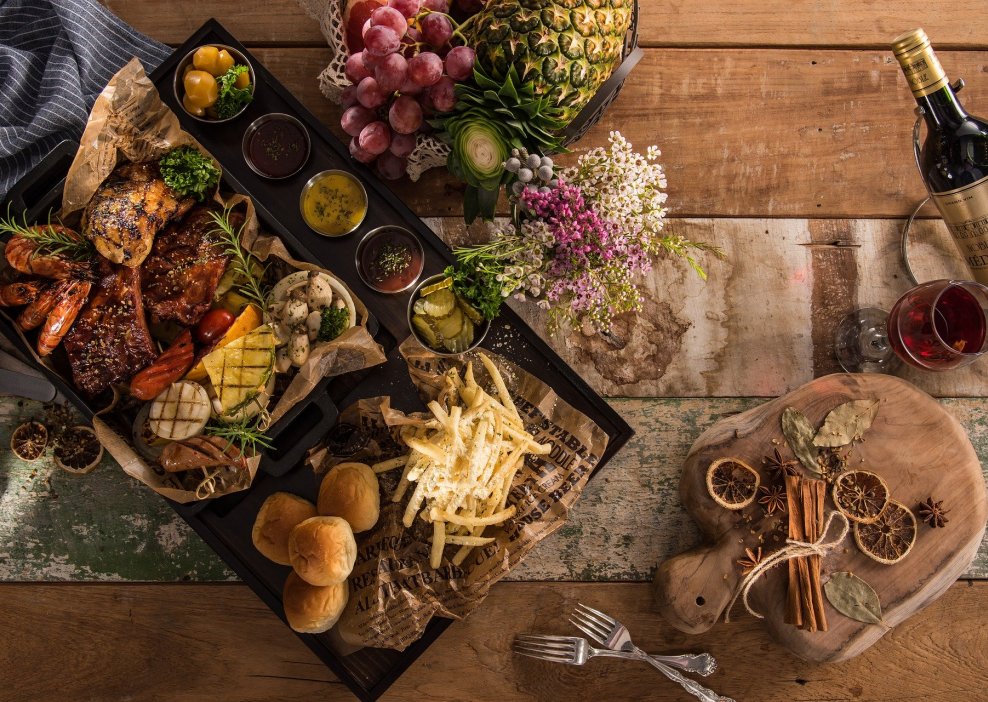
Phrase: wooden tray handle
[692,590]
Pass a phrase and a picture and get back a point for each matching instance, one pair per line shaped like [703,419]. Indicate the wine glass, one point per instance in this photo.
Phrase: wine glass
[935,326]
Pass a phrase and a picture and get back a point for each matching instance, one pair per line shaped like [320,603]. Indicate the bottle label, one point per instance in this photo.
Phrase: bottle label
[965,211]
[923,72]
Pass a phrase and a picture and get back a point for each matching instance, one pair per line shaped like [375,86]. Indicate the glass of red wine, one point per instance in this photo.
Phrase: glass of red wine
[935,326]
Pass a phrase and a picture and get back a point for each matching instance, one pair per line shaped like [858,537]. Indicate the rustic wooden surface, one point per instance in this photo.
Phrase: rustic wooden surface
[784,128]
[916,446]
[218,642]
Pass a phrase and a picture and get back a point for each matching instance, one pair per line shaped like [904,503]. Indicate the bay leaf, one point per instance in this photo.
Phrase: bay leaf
[799,433]
[846,422]
[854,598]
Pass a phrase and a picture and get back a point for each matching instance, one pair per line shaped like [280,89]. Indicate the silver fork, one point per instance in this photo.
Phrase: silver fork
[612,634]
[573,650]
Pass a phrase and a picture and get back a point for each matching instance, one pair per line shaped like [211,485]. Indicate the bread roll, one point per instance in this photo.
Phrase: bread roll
[279,514]
[350,491]
[322,550]
[313,609]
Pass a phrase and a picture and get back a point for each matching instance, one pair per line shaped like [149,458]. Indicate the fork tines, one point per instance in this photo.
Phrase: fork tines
[549,648]
[594,624]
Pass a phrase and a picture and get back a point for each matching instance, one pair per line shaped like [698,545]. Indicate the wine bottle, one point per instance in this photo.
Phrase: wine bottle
[954,158]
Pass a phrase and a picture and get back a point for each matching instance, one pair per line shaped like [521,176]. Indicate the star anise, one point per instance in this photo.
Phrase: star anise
[933,513]
[778,467]
[750,561]
[773,499]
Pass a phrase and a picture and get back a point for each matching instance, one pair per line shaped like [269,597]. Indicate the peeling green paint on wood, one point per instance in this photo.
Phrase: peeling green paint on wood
[108,527]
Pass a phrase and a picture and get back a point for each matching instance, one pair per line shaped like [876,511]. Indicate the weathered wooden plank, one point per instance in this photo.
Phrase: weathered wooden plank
[116,643]
[785,133]
[764,321]
[673,23]
[108,527]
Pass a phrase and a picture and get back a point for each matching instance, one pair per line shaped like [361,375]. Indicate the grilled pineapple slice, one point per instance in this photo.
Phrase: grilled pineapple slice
[240,370]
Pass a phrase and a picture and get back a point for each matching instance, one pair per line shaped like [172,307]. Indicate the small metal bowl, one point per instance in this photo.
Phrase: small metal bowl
[480,330]
[368,238]
[257,124]
[312,182]
[177,81]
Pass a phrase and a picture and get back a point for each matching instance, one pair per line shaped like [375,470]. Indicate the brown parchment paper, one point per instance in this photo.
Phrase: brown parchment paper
[393,591]
[129,122]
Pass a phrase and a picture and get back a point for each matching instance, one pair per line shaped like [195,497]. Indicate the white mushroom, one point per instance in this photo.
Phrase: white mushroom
[313,322]
[298,348]
[339,304]
[295,309]
[282,332]
[283,360]
[319,293]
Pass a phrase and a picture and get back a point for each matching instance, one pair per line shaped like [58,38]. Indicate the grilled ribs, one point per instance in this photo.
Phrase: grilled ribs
[131,206]
[180,276]
[109,341]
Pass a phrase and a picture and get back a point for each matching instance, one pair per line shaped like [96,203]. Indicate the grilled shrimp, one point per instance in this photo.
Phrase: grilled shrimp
[21,292]
[22,256]
[60,319]
[35,313]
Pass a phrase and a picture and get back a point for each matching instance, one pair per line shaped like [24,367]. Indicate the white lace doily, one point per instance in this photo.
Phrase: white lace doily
[429,152]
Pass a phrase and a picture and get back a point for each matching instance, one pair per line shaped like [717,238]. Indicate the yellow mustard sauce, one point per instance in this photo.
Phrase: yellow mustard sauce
[335,204]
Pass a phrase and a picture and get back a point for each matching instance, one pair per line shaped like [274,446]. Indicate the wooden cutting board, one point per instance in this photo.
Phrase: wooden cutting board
[914,444]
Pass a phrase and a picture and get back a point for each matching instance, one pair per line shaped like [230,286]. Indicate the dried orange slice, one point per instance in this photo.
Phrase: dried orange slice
[860,496]
[732,483]
[891,537]
[29,441]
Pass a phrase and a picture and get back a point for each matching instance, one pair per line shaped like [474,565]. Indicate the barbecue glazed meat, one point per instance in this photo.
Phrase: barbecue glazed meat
[180,276]
[109,341]
[201,452]
[128,210]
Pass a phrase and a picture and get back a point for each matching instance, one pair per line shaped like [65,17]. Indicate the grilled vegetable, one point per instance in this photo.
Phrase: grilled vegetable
[240,370]
[180,412]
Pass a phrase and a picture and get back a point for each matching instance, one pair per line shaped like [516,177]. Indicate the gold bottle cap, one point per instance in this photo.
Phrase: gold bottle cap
[919,63]
[906,42]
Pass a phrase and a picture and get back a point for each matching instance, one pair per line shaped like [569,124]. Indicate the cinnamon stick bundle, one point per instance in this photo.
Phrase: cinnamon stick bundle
[804,607]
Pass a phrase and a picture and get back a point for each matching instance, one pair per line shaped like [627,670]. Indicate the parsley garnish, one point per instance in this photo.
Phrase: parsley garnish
[335,321]
[231,98]
[478,285]
[188,172]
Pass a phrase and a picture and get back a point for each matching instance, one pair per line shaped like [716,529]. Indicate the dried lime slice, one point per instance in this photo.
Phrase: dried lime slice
[860,496]
[732,483]
[890,538]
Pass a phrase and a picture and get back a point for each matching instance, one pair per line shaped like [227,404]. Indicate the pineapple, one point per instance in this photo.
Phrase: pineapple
[565,48]
[240,370]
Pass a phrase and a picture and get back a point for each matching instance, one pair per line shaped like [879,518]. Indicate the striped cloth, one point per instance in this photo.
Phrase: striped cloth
[55,58]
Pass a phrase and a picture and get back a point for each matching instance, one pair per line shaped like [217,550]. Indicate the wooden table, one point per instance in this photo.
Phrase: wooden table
[785,131]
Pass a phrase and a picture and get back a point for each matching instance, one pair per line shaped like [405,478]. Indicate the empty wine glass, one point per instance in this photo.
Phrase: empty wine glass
[935,326]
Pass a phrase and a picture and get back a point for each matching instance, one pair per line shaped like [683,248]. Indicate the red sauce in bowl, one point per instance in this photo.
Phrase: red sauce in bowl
[390,259]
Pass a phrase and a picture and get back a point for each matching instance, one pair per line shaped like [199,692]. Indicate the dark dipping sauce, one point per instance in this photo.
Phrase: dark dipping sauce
[390,259]
[277,146]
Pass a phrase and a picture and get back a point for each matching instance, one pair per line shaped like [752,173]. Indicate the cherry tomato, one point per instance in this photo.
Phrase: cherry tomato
[213,326]
[201,89]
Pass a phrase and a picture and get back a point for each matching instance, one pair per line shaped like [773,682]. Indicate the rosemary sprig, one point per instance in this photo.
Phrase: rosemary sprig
[48,240]
[246,434]
[250,285]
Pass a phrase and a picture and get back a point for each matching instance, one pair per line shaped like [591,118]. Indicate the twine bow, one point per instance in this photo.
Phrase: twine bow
[793,549]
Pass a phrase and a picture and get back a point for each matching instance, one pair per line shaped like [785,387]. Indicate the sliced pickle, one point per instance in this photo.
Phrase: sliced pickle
[470,311]
[439,304]
[425,330]
[462,341]
[436,287]
[419,306]
[450,325]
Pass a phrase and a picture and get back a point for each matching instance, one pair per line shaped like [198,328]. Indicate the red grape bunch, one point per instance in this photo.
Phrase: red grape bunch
[406,72]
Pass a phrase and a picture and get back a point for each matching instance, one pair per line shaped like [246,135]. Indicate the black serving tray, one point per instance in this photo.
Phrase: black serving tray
[225,523]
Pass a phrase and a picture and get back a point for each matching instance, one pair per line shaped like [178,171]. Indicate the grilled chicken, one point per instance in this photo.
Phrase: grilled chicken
[128,210]
[109,341]
[180,276]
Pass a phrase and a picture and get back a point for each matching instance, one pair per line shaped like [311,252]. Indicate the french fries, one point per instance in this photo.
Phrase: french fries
[462,462]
